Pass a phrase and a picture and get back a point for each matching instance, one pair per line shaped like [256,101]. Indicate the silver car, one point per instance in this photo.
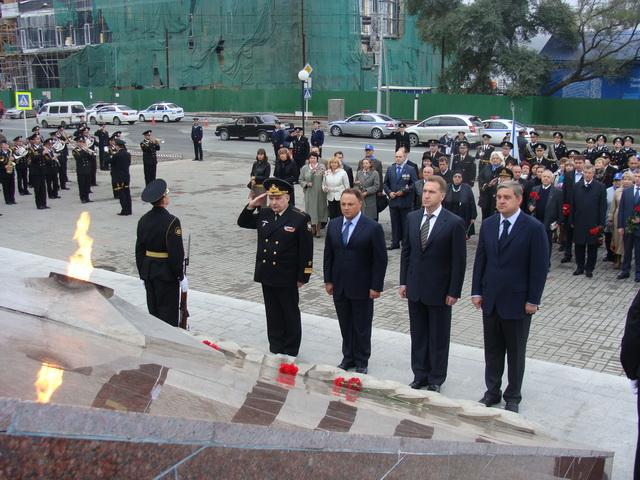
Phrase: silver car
[374,125]
[439,125]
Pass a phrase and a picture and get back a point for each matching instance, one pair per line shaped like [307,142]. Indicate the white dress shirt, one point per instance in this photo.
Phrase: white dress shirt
[512,220]
[352,227]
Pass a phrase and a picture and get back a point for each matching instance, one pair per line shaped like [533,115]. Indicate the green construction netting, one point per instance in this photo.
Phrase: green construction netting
[262,46]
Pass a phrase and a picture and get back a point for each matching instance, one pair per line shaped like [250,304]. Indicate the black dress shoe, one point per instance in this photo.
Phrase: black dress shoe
[588,274]
[418,384]
[45,207]
[65,188]
[433,388]
[84,201]
[565,260]
[27,193]
[362,370]
[346,365]
[512,407]
[489,401]
[393,247]
[622,275]
[578,271]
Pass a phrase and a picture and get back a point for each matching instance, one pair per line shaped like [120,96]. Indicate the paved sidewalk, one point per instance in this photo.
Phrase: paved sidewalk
[575,404]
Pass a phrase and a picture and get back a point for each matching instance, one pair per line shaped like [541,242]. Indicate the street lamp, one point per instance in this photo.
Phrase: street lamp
[303,76]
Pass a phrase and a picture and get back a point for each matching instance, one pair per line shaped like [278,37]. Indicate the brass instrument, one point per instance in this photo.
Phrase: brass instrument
[90,140]
[59,145]
[153,141]
[84,148]
[9,165]
[20,152]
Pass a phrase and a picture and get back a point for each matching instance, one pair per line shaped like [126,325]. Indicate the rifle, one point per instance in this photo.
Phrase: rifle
[184,313]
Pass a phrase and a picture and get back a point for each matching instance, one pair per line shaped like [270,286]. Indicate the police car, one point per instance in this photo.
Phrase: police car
[163,111]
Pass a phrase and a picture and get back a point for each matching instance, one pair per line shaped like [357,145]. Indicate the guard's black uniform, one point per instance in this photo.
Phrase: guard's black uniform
[467,165]
[149,160]
[159,258]
[8,177]
[483,154]
[120,163]
[37,175]
[103,143]
[22,171]
[83,172]
[284,257]
[51,170]
[402,141]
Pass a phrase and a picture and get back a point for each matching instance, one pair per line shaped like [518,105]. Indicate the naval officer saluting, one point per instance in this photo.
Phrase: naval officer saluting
[284,261]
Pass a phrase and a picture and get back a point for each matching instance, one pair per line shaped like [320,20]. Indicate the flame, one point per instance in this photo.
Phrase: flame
[80,265]
[48,381]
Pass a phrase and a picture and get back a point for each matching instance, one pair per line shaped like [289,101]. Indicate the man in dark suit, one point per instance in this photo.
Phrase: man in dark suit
[443,170]
[432,267]
[508,280]
[545,204]
[355,263]
[588,213]
[398,185]
[570,180]
[629,201]
[630,359]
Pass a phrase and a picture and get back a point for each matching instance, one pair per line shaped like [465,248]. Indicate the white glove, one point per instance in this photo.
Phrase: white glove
[634,386]
[184,284]
[106,149]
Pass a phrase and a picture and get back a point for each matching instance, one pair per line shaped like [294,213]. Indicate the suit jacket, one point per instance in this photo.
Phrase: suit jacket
[589,210]
[625,209]
[359,266]
[515,275]
[553,208]
[630,348]
[438,271]
[403,183]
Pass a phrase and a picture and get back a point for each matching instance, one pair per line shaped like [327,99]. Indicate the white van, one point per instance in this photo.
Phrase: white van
[61,114]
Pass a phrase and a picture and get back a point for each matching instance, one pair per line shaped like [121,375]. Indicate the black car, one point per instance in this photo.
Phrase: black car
[253,125]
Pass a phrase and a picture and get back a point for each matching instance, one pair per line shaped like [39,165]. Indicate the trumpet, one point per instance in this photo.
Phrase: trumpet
[156,141]
[59,145]
[84,148]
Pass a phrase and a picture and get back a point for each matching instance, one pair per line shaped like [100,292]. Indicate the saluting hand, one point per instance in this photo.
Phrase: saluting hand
[254,202]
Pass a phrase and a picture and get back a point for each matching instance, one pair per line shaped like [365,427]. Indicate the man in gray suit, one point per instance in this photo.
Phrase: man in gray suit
[427,172]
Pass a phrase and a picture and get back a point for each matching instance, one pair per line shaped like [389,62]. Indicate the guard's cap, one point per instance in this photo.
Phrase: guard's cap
[275,186]
[146,132]
[402,125]
[573,152]
[18,138]
[531,133]
[486,135]
[48,141]
[117,133]
[34,136]
[79,138]
[433,141]
[629,137]
[120,142]
[368,146]
[542,146]
[154,191]
[35,129]
[505,172]
[618,139]
[506,144]
[464,144]
[462,131]
[558,135]
[591,139]
[605,155]
[113,137]
[602,136]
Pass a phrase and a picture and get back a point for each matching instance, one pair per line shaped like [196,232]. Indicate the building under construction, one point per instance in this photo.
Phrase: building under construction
[212,44]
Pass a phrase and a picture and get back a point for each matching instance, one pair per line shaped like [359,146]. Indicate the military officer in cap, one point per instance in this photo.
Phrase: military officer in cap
[506,149]
[103,146]
[590,153]
[7,173]
[149,148]
[484,151]
[465,163]
[284,261]
[36,130]
[628,151]
[21,157]
[431,156]
[82,155]
[559,148]
[37,171]
[110,153]
[120,163]
[402,138]
[51,169]
[160,254]
[601,144]
[530,147]
[618,158]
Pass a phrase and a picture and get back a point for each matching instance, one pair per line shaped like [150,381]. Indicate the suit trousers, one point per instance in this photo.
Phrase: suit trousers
[197,149]
[39,183]
[398,223]
[504,336]
[550,242]
[631,243]
[124,194]
[284,329]
[591,257]
[568,240]
[149,172]
[84,185]
[62,172]
[430,328]
[9,188]
[23,180]
[163,298]
[355,318]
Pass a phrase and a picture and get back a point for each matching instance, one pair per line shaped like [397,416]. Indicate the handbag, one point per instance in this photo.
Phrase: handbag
[381,202]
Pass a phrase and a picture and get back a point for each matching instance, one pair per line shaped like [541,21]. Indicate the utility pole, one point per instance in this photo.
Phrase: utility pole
[166,47]
[376,28]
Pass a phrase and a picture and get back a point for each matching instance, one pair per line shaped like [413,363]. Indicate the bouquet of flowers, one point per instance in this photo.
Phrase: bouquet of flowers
[595,231]
[534,196]
[634,220]
[566,209]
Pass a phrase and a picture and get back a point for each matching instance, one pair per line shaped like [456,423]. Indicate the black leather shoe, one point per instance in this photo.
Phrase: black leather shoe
[588,274]
[418,384]
[622,275]
[512,407]
[433,388]
[489,401]
[578,271]
[362,370]
[393,247]
[346,365]
[565,260]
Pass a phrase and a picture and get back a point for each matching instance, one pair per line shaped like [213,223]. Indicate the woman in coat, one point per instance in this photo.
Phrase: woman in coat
[287,170]
[315,199]
[460,200]
[368,182]
[335,181]
[260,171]
[617,242]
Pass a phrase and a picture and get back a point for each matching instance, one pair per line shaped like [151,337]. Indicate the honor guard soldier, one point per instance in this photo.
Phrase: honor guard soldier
[37,171]
[618,157]
[506,149]
[590,153]
[402,138]
[284,261]
[51,169]
[601,144]
[484,151]
[103,146]
[530,147]
[628,150]
[82,156]
[559,148]
[317,137]
[149,148]
[120,163]
[299,147]
[160,254]
[62,143]
[21,157]
[7,173]
[465,163]
[431,156]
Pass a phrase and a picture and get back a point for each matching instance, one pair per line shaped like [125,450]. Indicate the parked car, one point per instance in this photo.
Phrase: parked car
[115,114]
[499,127]
[374,125]
[61,113]
[439,125]
[260,125]
[167,112]
[15,113]
[94,107]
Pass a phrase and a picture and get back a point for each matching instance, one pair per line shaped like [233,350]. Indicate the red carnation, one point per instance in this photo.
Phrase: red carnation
[636,209]
[566,209]
[212,345]
[338,381]
[534,196]
[594,231]
[354,383]
[288,368]
[288,381]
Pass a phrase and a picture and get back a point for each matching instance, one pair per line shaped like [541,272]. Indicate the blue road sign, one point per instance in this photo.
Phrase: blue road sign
[307,93]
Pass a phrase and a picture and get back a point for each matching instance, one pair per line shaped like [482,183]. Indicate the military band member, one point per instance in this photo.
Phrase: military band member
[160,253]
[530,147]
[484,151]
[36,130]
[110,154]
[90,142]
[506,149]
[590,153]
[559,148]
[21,157]
[465,163]
[103,147]
[284,261]
[63,157]
[149,148]
[120,163]
[51,169]
[37,171]
[82,156]
[7,174]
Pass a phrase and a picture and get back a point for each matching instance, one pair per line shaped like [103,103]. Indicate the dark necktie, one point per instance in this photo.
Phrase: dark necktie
[636,195]
[424,231]
[398,170]
[505,233]
[345,233]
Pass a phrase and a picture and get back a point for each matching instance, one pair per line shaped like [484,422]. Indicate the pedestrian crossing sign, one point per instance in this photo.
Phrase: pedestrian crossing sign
[23,101]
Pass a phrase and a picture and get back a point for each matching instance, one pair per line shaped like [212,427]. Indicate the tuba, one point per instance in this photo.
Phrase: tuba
[58,146]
